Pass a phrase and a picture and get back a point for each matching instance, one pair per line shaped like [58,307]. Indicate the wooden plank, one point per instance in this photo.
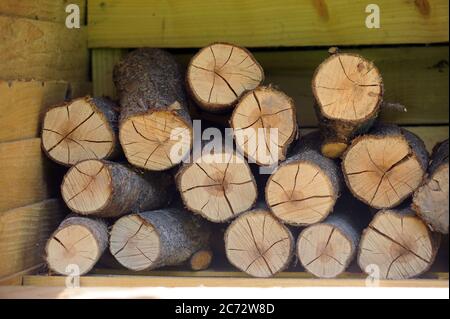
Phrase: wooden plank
[24,232]
[262,23]
[17,278]
[103,61]
[23,104]
[31,49]
[172,282]
[23,168]
[46,10]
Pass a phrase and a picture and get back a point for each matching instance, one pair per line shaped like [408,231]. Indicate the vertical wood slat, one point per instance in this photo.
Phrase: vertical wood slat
[103,61]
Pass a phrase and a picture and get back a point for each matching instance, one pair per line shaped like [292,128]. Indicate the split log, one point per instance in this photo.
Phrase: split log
[78,242]
[303,190]
[159,238]
[397,245]
[430,201]
[217,186]
[385,167]
[155,126]
[106,189]
[258,244]
[220,73]
[264,123]
[85,128]
[326,249]
[348,91]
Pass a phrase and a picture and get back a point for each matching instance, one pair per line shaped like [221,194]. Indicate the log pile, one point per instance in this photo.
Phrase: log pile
[147,192]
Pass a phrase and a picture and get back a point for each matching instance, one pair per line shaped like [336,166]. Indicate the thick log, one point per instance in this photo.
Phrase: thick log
[217,186]
[155,126]
[348,91]
[106,189]
[84,128]
[303,190]
[265,124]
[430,201]
[385,167]
[258,244]
[326,249]
[397,245]
[159,238]
[78,242]
[220,73]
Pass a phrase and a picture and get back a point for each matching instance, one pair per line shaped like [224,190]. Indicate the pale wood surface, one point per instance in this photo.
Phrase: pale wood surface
[24,232]
[31,49]
[23,104]
[47,10]
[262,23]
[23,169]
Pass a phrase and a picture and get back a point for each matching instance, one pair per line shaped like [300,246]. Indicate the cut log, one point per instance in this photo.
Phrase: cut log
[304,188]
[348,91]
[264,123]
[160,238]
[397,245]
[258,244]
[385,167]
[81,129]
[77,245]
[201,260]
[220,73]
[217,186]
[326,249]
[430,201]
[155,126]
[106,189]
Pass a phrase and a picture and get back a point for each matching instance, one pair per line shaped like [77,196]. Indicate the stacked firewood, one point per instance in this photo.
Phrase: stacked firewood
[145,189]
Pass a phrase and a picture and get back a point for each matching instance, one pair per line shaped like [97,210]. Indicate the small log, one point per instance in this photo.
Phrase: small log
[348,91]
[258,244]
[155,126]
[430,201]
[85,128]
[385,167]
[78,241]
[220,73]
[217,186]
[159,238]
[106,189]
[397,245]
[326,249]
[265,124]
[303,190]
[201,260]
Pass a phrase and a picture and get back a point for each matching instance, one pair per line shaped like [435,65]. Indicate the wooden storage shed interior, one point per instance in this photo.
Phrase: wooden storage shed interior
[43,63]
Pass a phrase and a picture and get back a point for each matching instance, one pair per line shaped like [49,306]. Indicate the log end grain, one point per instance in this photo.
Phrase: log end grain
[265,124]
[347,88]
[220,73]
[258,244]
[325,250]
[201,260]
[81,129]
[397,245]
[384,168]
[218,186]
[78,242]
[87,187]
[333,149]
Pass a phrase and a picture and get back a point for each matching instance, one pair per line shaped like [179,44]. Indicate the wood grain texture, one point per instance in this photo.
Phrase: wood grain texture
[261,23]
[23,169]
[170,282]
[45,10]
[292,71]
[42,50]
[23,104]
[103,61]
[23,233]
